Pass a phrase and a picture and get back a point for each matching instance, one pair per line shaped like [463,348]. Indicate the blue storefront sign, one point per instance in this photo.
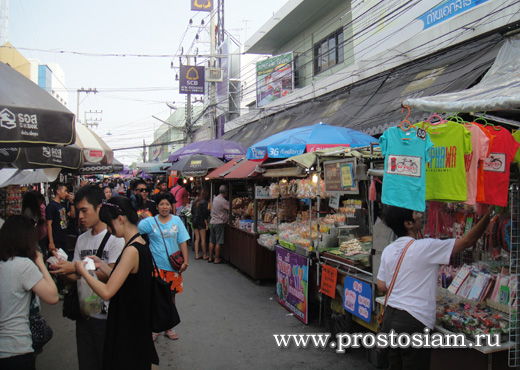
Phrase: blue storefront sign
[357,298]
[446,10]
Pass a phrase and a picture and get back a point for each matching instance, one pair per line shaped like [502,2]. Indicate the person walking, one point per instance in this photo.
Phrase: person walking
[218,221]
[411,304]
[128,344]
[35,211]
[181,197]
[144,206]
[56,217]
[200,222]
[167,235]
[22,272]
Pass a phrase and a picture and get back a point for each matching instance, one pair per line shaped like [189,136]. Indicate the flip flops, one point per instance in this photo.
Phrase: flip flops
[170,334]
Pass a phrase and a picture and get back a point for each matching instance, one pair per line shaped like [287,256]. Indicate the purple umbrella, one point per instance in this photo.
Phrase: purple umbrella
[218,148]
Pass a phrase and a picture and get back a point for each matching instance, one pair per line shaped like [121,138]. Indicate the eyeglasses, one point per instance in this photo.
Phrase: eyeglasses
[143,190]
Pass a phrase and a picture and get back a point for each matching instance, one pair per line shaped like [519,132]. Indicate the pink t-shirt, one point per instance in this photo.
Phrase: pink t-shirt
[480,145]
[180,193]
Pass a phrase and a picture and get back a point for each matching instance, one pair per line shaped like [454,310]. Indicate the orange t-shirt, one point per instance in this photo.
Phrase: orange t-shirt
[480,170]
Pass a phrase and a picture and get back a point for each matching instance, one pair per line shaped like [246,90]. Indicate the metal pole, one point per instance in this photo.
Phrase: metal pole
[212,99]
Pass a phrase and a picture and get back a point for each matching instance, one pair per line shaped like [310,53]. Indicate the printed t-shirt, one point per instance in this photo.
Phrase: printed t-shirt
[496,166]
[481,196]
[57,212]
[405,161]
[174,233]
[480,146]
[87,244]
[516,135]
[446,172]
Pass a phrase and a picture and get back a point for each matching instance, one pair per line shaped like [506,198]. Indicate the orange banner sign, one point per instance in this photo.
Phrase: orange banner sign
[329,276]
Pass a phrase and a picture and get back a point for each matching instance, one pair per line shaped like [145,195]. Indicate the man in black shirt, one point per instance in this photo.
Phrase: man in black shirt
[56,215]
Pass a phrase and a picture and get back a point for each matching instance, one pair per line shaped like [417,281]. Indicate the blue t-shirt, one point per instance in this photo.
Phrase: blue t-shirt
[404,180]
[174,233]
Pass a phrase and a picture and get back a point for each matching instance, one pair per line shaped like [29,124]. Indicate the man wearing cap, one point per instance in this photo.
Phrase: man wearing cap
[217,223]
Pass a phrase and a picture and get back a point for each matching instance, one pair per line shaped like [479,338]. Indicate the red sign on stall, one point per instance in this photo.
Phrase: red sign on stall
[329,276]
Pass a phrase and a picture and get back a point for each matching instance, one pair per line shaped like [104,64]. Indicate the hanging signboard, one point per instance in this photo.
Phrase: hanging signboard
[339,176]
[292,282]
[329,277]
[202,5]
[262,192]
[191,80]
[274,78]
[358,298]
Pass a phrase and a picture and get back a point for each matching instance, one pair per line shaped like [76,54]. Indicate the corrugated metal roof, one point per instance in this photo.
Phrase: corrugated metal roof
[244,170]
[224,169]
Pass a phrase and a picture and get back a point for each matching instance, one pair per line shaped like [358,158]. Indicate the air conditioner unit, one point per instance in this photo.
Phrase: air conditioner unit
[214,74]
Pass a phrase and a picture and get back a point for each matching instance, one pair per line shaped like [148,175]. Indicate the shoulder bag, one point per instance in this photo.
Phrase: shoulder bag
[41,332]
[71,308]
[379,317]
[176,259]
[164,314]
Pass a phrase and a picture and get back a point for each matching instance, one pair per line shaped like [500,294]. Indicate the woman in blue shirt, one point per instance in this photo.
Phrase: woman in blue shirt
[166,231]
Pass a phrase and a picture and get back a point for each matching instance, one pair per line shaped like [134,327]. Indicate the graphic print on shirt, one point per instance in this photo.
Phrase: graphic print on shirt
[168,233]
[443,158]
[63,218]
[404,165]
[496,162]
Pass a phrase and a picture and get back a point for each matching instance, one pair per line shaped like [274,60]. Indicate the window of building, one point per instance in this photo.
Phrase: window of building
[329,51]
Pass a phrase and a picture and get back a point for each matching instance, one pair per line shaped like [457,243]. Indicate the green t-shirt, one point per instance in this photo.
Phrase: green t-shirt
[446,171]
[516,135]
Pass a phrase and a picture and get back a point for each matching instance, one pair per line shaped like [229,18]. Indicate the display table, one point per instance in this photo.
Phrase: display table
[242,250]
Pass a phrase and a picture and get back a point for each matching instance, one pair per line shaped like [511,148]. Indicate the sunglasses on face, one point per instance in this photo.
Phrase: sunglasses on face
[142,190]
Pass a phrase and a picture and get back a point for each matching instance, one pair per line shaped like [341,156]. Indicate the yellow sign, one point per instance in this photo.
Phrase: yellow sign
[346,176]
[202,5]
[196,163]
[192,74]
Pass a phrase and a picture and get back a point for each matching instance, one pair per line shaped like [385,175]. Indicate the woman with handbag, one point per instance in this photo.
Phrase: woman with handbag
[168,237]
[22,272]
[127,341]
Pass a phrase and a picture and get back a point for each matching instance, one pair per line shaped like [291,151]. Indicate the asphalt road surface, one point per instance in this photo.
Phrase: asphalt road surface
[228,322]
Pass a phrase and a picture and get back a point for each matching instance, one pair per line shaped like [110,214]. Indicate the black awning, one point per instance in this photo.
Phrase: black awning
[374,104]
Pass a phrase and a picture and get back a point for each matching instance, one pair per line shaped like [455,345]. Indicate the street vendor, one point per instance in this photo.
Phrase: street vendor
[411,305]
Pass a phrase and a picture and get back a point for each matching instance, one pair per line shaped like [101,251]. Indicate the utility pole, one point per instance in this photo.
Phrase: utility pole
[144,151]
[93,121]
[212,85]
[86,91]
[189,129]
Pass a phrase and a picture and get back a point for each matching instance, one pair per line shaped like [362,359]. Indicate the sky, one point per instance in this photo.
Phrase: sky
[82,37]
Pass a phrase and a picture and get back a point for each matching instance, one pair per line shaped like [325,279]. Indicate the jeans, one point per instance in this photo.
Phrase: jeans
[405,358]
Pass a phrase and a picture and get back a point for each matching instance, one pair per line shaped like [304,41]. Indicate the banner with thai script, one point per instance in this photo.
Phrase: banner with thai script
[357,298]
[292,271]
[274,78]
[446,10]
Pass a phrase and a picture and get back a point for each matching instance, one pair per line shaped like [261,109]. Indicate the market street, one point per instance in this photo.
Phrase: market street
[228,322]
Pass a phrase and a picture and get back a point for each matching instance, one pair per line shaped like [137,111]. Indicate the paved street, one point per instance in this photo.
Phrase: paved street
[228,322]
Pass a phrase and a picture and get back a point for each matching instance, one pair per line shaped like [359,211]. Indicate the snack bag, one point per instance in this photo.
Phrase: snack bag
[89,302]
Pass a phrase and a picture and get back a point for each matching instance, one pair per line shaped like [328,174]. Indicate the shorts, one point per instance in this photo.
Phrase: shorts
[174,277]
[217,233]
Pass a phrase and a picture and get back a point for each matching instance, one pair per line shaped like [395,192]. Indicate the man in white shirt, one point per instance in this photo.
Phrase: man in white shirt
[90,333]
[412,302]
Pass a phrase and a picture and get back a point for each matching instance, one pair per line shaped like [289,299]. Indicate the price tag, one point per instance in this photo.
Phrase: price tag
[421,134]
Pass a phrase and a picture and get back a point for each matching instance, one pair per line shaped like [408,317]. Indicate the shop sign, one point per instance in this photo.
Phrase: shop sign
[274,78]
[357,298]
[202,5]
[339,176]
[329,277]
[446,10]
[262,192]
[316,147]
[292,282]
[334,200]
[191,80]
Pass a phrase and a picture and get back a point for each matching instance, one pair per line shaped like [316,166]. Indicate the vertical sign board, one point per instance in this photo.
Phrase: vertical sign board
[329,277]
[202,5]
[358,298]
[292,282]
[191,80]
[274,78]
[339,176]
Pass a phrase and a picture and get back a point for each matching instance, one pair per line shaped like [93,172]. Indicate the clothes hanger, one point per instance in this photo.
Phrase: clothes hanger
[405,125]
[435,115]
[486,123]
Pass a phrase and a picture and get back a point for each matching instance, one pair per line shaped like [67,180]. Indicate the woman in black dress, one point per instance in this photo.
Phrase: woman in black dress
[199,220]
[128,343]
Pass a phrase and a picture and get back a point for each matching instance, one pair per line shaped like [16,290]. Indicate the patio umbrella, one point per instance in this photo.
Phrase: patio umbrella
[296,141]
[29,115]
[196,165]
[95,150]
[224,149]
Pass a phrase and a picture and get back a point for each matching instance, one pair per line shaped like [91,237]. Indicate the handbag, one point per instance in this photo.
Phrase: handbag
[381,315]
[163,312]
[41,332]
[176,259]
[71,309]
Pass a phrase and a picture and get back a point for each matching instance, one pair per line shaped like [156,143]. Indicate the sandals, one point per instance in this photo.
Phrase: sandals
[155,336]
[170,334]
[198,258]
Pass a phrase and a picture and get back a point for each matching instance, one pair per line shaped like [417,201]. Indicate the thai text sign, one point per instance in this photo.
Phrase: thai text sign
[191,80]
[329,276]
[274,78]
[339,176]
[446,10]
[358,298]
[292,282]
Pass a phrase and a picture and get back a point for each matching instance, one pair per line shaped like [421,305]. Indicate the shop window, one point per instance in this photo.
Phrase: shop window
[328,52]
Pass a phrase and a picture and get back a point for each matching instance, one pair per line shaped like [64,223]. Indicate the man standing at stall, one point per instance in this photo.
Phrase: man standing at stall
[56,215]
[411,305]
[217,223]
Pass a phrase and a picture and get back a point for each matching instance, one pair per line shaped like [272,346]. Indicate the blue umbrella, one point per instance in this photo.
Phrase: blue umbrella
[296,141]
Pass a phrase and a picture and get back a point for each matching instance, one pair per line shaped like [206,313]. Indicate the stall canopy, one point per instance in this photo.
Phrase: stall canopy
[223,149]
[99,168]
[29,115]
[296,141]
[374,104]
[14,176]
[238,168]
[196,165]
[498,89]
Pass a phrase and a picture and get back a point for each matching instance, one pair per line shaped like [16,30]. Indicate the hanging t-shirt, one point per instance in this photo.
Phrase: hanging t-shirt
[406,155]
[446,172]
[497,166]
[481,197]
[480,146]
[516,135]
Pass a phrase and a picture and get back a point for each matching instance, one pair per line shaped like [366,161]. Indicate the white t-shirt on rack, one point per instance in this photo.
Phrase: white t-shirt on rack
[415,289]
